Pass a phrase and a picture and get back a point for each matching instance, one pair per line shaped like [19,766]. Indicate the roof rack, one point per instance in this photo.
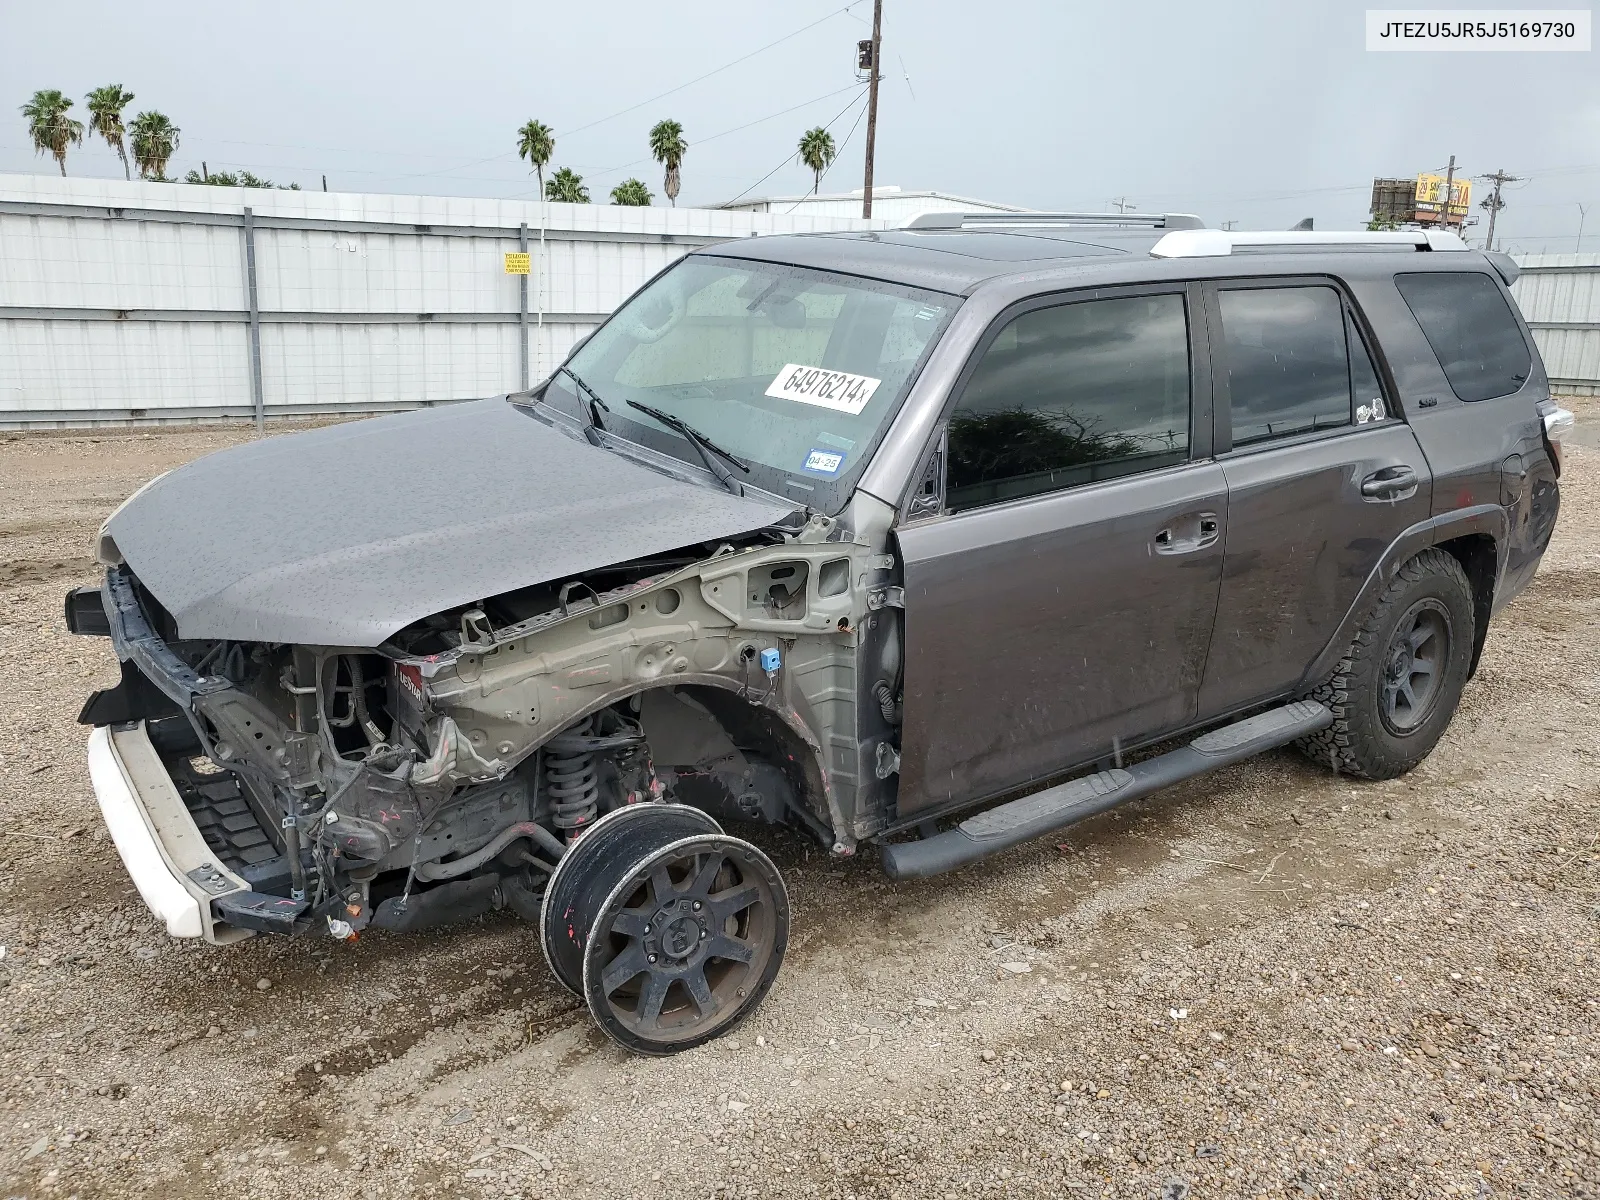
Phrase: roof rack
[979,220]
[1214,243]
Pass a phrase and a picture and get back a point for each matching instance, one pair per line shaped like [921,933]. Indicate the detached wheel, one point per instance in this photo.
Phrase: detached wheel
[592,866]
[686,944]
[1395,691]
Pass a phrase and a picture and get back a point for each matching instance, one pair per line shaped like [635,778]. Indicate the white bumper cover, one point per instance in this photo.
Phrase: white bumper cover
[163,890]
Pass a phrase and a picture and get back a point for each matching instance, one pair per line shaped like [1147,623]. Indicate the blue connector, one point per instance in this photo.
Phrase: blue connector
[771,660]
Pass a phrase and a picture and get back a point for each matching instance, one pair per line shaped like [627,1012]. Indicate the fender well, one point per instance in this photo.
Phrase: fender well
[1475,536]
[1479,558]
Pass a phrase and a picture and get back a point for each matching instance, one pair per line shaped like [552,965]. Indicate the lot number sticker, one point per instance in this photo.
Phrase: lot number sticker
[838,390]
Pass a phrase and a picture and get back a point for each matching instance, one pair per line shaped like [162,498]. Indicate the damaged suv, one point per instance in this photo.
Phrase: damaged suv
[851,533]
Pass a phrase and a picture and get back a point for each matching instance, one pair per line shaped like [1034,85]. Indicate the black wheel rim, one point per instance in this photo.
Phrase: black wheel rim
[590,869]
[1414,666]
[687,945]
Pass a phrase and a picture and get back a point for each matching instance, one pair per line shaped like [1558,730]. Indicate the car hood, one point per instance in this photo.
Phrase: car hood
[344,535]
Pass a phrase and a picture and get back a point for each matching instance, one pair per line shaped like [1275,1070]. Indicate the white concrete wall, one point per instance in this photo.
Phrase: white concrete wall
[115,304]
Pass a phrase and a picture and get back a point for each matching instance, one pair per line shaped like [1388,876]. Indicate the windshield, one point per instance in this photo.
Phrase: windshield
[796,372]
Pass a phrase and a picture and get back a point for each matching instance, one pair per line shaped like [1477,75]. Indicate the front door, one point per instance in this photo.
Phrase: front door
[1060,605]
[1322,476]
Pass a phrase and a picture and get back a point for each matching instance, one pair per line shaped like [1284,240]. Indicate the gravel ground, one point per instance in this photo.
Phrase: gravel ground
[1268,982]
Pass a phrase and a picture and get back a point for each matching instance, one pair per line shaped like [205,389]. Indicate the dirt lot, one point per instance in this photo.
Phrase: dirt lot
[1269,982]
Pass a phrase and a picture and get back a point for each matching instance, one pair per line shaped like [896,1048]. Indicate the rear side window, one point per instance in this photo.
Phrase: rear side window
[1466,319]
[1286,355]
[1070,395]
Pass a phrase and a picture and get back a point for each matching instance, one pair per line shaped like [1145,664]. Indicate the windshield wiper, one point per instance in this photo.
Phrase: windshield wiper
[591,410]
[710,453]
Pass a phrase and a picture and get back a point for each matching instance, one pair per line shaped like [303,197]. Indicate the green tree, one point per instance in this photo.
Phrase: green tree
[105,118]
[566,187]
[817,151]
[536,143]
[154,140]
[51,129]
[632,192]
[667,147]
[213,178]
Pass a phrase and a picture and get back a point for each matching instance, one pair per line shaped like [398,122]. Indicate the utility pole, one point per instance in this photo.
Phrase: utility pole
[1121,204]
[1583,213]
[1444,201]
[872,104]
[1495,205]
[1229,224]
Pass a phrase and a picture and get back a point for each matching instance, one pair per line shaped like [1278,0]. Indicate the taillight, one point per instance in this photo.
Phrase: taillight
[1558,422]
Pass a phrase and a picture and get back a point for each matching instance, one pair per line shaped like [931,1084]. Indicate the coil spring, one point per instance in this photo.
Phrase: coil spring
[574,784]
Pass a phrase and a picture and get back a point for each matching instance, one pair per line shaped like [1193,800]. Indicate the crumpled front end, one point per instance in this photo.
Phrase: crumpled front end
[444,772]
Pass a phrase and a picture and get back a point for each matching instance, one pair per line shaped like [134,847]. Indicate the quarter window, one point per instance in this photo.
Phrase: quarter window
[1070,395]
[1467,321]
[1286,357]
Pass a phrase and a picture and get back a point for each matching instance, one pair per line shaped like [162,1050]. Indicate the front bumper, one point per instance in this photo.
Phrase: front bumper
[176,873]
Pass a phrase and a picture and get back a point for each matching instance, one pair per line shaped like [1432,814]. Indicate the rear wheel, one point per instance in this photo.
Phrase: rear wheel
[1397,686]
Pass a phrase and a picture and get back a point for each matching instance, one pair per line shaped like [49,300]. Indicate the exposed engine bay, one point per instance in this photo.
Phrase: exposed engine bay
[445,772]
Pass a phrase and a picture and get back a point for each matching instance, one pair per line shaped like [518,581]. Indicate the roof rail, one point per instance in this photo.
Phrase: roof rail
[1214,243]
[978,220]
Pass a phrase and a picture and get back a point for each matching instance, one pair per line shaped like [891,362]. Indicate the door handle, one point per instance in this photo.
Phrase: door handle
[1190,532]
[1389,483]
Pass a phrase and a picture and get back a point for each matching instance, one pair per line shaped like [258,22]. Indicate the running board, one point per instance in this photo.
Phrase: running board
[1054,808]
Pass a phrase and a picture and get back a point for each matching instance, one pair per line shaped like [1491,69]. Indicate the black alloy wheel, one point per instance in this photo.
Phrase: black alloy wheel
[686,944]
[591,867]
[1414,664]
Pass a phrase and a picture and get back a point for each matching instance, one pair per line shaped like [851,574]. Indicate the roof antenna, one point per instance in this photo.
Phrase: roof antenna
[1303,225]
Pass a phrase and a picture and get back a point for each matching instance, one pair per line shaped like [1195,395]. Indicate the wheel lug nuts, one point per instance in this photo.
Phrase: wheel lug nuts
[697,906]
[652,958]
[647,930]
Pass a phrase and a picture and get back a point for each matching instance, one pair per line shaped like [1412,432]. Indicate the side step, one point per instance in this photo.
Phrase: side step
[1054,808]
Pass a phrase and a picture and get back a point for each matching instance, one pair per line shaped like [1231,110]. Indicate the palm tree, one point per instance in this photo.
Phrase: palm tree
[667,147]
[51,129]
[536,143]
[566,187]
[633,193]
[154,139]
[105,118]
[817,151]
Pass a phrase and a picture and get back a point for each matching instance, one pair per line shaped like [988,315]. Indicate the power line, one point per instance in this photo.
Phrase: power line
[565,133]
[843,146]
[788,158]
[716,71]
[601,172]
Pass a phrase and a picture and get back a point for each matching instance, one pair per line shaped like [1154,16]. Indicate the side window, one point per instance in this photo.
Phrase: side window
[1070,395]
[1287,361]
[1467,321]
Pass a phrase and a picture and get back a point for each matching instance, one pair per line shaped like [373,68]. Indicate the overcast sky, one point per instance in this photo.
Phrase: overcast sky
[1261,113]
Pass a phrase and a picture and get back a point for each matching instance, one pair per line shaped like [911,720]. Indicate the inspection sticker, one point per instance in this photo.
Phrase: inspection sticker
[824,462]
[838,390]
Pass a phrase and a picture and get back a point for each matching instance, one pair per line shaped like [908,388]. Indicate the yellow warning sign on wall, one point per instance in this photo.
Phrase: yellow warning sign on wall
[518,263]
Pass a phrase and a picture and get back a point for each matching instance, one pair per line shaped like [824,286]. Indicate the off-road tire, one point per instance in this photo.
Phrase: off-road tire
[1362,741]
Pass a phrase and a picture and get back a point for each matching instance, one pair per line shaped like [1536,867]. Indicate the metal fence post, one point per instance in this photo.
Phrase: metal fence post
[522,317]
[256,396]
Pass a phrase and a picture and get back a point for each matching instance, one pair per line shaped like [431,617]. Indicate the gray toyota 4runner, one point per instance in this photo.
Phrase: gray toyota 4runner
[864,534]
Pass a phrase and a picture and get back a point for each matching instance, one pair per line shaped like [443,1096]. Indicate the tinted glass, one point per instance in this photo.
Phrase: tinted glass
[794,371]
[1467,321]
[1286,361]
[1072,394]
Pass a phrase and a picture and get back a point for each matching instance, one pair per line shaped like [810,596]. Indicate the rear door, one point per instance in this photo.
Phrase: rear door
[1322,474]
[1061,602]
